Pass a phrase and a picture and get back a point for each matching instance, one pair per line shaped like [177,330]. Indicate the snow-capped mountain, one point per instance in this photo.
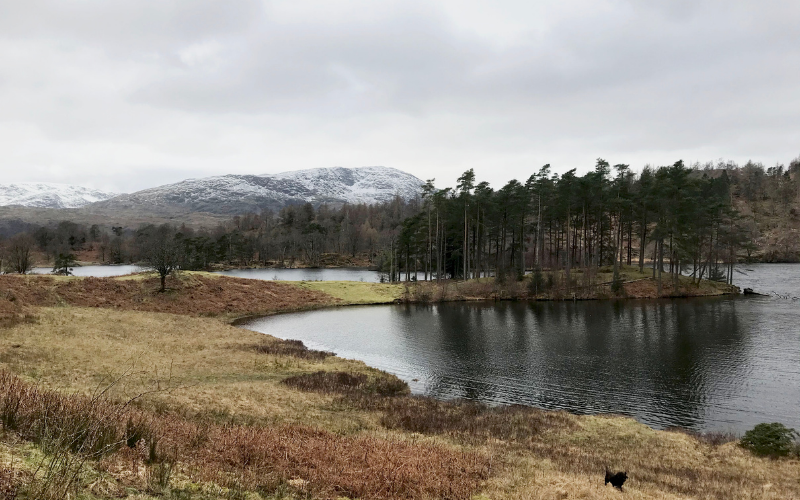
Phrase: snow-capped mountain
[232,194]
[49,195]
[353,185]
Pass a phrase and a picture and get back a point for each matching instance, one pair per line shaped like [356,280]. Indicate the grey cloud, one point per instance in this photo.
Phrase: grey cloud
[162,81]
[129,26]
[408,64]
[399,63]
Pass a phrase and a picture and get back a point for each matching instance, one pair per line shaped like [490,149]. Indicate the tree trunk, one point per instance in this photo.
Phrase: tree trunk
[568,262]
[660,260]
[642,243]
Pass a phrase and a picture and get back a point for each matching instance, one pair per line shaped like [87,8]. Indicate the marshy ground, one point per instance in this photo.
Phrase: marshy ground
[217,412]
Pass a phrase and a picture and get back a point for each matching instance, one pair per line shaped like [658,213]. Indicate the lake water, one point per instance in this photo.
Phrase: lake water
[332,274]
[95,271]
[707,364]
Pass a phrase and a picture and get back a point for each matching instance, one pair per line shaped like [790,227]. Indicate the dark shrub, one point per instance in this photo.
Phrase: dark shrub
[294,348]
[473,421]
[551,281]
[536,284]
[347,383]
[135,432]
[773,440]
[327,382]
[390,386]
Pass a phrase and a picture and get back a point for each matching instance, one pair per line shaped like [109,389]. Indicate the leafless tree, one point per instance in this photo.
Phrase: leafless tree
[161,251]
[19,253]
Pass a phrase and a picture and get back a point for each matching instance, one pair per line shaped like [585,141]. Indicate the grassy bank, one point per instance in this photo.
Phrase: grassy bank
[208,294]
[236,414]
[553,286]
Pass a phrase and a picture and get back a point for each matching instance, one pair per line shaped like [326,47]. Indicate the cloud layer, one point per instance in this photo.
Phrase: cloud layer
[125,95]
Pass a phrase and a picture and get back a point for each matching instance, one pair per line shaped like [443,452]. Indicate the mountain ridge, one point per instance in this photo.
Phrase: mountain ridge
[50,195]
[232,194]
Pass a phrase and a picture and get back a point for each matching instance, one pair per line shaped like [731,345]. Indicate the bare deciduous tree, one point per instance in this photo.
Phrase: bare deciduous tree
[161,251]
[19,254]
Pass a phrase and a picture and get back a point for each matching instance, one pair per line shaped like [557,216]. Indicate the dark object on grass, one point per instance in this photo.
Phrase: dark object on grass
[617,479]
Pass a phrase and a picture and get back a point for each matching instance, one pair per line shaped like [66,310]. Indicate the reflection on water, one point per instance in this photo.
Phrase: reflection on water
[723,364]
[95,271]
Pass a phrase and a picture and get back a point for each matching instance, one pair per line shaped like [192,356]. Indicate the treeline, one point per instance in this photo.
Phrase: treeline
[778,186]
[671,218]
[677,219]
[296,235]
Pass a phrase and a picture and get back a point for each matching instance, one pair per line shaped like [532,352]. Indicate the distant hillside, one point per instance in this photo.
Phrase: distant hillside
[237,194]
[768,199]
[49,195]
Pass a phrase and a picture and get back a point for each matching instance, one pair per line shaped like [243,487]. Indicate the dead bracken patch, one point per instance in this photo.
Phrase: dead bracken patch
[13,311]
[125,440]
[348,384]
[10,481]
[355,467]
[188,294]
[294,348]
[471,420]
[468,420]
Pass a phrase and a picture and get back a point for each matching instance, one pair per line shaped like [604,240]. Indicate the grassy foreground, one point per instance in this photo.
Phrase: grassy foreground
[222,412]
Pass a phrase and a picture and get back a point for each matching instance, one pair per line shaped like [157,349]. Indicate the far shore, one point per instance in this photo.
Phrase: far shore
[202,292]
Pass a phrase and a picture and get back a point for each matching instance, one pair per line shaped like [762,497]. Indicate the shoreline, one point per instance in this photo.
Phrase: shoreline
[240,322]
[214,294]
[219,376]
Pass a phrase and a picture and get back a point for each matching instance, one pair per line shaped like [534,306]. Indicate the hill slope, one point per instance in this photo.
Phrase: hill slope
[234,194]
[49,195]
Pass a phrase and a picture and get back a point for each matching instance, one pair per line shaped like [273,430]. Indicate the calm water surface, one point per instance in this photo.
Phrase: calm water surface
[334,274]
[706,364]
[95,271]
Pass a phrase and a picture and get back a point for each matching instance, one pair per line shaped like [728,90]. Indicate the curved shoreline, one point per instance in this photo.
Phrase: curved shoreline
[411,368]
[109,323]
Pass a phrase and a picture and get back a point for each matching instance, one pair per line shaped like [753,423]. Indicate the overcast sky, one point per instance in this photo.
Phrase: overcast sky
[124,95]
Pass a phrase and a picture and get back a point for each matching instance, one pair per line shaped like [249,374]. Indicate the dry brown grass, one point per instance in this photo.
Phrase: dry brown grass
[212,378]
[251,457]
[204,366]
[713,438]
[570,464]
[356,292]
[194,294]
[13,311]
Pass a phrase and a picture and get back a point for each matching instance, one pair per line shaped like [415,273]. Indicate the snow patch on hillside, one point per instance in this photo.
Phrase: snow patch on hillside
[355,185]
[235,194]
[49,195]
